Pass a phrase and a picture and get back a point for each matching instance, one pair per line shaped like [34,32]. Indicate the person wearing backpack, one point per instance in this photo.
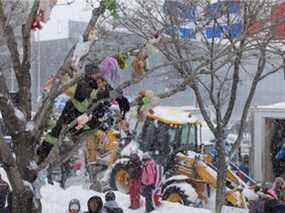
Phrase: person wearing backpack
[111,206]
[148,181]
[135,173]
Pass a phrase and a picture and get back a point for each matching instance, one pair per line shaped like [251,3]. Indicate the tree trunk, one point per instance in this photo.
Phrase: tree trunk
[221,166]
[25,153]
[22,201]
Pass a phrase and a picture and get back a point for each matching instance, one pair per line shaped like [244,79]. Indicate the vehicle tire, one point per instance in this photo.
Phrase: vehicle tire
[182,193]
[119,177]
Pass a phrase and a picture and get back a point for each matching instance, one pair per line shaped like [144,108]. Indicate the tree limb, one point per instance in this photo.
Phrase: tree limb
[259,71]
[7,109]
[10,166]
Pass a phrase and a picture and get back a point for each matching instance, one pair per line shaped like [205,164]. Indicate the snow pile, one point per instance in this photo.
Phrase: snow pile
[228,209]
[55,200]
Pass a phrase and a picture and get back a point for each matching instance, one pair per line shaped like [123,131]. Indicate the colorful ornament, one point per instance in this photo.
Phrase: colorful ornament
[139,62]
[43,15]
[110,69]
[48,86]
[82,120]
[139,66]
[147,102]
[121,59]
[60,102]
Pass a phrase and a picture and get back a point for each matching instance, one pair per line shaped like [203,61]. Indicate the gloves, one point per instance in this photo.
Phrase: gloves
[124,105]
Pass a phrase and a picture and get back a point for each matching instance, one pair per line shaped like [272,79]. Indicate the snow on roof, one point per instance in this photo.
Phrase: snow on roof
[175,115]
[276,106]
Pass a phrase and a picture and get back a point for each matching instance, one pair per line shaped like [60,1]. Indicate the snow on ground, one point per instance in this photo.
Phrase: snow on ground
[55,200]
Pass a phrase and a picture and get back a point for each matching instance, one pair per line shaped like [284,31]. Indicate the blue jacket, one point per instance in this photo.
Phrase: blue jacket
[281,154]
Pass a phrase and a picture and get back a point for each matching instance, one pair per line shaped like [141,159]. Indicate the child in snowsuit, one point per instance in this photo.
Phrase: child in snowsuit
[74,206]
[4,192]
[91,89]
[95,205]
[148,181]
[111,206]
[135,173]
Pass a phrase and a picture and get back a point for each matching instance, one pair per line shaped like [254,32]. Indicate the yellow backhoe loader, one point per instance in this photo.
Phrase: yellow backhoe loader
[171,135]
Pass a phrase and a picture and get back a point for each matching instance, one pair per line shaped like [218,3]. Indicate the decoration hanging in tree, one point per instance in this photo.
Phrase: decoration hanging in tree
[43,14]
[121,59]
[147,101]
[110,69]
[139,65]
[49,83]
[82,120]
[139,62]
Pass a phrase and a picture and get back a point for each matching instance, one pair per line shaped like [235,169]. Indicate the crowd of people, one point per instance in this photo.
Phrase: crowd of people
[95,205]
[143,179]
[271,197]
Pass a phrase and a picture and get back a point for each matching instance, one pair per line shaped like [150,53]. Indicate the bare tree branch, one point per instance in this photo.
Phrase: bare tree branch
[7,108]
[259,70]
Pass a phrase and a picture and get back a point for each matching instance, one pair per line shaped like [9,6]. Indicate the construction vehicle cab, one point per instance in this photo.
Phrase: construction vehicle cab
[168,130]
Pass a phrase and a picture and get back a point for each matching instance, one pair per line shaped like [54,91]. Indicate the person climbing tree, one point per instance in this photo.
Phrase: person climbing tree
[91,89]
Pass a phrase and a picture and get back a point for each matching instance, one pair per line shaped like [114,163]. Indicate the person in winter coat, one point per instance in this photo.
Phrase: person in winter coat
[90,89]
[74,206]
[271,199]
[148,181]
[4,192]
[135,173]
[111,206]
[278,188]
[95,205]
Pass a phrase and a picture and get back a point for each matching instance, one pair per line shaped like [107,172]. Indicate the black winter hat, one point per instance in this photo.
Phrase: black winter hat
[98,200]
[91,69]
[110,196]
[74,202]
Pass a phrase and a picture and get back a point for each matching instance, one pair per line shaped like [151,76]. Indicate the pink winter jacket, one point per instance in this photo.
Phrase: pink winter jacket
[148,174]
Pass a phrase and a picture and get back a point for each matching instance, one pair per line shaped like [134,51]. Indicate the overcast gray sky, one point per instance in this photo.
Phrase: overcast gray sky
[57,26]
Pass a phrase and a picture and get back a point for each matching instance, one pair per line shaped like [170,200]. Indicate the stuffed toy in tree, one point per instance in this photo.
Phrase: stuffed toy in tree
[139,65]
[139,62]
[147,101]
[121,59]
[110,67]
